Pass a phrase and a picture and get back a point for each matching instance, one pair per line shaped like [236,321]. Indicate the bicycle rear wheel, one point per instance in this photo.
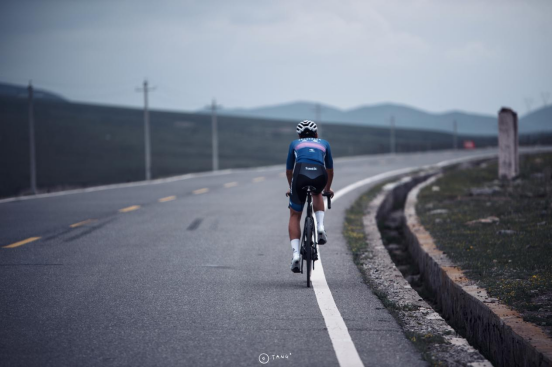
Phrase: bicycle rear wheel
[308,233]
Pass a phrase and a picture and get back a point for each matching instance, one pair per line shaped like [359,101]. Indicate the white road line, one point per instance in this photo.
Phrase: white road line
[344,347]
[345,350]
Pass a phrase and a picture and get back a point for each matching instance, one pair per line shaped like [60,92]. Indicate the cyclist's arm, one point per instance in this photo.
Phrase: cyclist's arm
[289,174]
[330,179]
[290,162]
[328,161]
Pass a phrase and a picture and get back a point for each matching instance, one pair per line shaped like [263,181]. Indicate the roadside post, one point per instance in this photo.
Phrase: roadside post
[147,141]
[508,158]
[214,134]
[32,147]
[392,142]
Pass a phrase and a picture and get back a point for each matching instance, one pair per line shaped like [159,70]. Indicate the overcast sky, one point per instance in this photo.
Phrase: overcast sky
[435,55]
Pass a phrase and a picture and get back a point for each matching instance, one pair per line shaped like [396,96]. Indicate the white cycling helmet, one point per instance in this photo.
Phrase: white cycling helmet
[306,125]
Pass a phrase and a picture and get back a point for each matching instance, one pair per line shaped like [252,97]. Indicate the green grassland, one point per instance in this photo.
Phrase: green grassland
[511,258]
[82,145]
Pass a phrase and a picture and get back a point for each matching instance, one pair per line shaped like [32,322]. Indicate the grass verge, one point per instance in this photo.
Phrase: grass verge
[353,227]
[510,254]
[353,231]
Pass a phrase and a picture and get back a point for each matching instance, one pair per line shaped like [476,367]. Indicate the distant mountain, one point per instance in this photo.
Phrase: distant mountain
[404,117]
[537,121]
[12,90]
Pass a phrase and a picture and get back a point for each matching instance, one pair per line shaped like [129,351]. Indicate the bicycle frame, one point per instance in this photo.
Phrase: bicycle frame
[309,237]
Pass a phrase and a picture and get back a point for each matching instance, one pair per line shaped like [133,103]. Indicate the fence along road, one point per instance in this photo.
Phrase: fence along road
[188,272]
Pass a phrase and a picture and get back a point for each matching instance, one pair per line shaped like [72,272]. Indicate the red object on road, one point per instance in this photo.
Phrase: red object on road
[469,145]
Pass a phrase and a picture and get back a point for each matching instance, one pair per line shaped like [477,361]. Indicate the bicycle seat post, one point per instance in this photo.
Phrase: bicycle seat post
[309,200]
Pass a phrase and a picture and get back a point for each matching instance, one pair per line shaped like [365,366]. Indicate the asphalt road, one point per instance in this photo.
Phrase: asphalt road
[199,279]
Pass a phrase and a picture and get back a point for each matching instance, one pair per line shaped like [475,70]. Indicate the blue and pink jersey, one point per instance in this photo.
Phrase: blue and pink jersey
[309,150]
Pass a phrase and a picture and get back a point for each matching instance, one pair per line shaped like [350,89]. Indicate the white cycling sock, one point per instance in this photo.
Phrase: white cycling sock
[319,220]
[295,245]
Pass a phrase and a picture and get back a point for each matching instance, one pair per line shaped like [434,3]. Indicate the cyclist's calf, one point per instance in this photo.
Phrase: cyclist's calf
[318,202]
[294,224]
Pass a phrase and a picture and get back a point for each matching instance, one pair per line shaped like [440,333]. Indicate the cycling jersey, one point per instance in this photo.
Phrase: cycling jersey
[308,158]
[311,151]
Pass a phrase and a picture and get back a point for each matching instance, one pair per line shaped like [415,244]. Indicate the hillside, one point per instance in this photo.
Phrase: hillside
[82,145]
[537,121]
[404,116]
[12,90]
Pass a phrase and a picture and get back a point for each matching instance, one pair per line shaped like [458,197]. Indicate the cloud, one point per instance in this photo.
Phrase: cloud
[473,52]
[249,52]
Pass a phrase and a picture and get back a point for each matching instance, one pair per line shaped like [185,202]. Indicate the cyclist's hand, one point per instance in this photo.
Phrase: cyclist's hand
[330,192]
[288,193]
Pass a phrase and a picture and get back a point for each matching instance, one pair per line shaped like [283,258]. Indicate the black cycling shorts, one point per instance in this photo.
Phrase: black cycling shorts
[304,175]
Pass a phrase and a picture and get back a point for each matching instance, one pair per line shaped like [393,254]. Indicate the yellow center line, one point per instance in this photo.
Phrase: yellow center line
[230,185]
[201,191]
[166,199]
[82,223]
[128,209]
[259,179]
[29,240]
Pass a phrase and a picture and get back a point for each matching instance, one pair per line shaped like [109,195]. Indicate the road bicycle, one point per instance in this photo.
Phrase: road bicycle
[309,238]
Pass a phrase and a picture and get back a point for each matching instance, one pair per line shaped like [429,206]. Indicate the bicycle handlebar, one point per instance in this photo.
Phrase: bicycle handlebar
[325,194]
[329,196]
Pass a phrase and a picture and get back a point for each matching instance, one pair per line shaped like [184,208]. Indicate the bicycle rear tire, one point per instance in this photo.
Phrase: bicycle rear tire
[309,229]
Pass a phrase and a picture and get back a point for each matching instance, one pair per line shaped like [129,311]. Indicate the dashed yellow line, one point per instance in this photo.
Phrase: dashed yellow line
[28,240]
[231,184]
[128,209]
[167,199]
[258,179]
[201,191]
[82,223]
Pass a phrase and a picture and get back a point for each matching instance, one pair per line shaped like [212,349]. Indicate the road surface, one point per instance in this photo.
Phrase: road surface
[187,272]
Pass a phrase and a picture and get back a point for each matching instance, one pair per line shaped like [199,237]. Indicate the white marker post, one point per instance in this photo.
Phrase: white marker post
[508,158]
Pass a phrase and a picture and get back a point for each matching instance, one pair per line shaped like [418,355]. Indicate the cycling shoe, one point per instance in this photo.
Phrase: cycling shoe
[296,263]
[322,238]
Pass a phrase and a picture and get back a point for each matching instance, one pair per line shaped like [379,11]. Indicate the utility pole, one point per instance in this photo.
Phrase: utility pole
[455,135]
[214,134]
[318,116]
[545,96]
[392,135]
[528,103]
[147,142]
[32,139]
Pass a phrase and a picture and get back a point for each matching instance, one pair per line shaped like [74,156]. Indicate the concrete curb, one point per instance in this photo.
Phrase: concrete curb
[498,331]
[416,316]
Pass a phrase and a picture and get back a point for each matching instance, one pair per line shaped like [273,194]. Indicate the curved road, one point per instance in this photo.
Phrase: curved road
[193,271]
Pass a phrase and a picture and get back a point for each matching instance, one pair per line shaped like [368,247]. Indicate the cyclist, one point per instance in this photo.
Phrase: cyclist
[309,162]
